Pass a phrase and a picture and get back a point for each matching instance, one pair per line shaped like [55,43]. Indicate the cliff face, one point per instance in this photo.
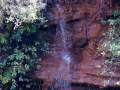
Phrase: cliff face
[84,35]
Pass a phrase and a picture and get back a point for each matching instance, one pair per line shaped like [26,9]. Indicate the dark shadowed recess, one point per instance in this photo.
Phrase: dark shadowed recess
[85,87]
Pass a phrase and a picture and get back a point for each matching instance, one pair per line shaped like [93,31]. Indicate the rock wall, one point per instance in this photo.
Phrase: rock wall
[84,35]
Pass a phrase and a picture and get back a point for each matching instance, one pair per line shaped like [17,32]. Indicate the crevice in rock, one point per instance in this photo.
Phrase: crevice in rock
[81,43]
[72,21]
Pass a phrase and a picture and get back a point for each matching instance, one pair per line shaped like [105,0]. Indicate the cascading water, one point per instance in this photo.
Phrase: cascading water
[61,36]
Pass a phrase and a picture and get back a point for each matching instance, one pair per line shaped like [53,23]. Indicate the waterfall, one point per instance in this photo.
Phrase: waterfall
[63,35]
[62,32]
[62,44]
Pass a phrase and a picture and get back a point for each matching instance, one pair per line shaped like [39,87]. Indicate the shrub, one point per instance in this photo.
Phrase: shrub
[18,11]
[112,44]
[21,21]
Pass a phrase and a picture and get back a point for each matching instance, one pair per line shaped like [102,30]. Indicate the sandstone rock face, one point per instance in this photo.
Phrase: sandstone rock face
[84,34]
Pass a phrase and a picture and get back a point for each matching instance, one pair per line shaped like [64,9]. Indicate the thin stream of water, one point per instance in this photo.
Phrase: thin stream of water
[65,55]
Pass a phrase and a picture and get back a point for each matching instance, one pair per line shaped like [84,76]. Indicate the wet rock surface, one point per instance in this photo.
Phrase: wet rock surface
[84,34]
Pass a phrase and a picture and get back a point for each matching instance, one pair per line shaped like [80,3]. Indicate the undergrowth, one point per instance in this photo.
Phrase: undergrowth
[20,38]
[111,47]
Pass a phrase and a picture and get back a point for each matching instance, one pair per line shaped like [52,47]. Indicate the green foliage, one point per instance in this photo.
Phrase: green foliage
[19,41]
[45,48]
[2,39]
[113,40]
[9,26]
[116,13]
[16,35]
[18,63]
[111,47]
[28,28]
[20,54]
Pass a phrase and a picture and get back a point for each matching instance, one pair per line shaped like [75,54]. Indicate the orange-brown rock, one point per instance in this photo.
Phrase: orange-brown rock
[83,18]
